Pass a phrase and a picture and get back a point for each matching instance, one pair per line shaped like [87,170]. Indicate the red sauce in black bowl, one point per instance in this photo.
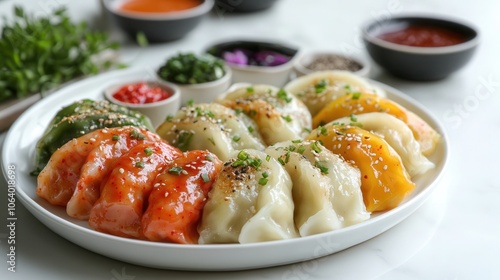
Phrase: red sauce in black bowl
[423,36]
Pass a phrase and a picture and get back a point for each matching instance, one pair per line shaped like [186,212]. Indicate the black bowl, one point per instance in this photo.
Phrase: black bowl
[244,6]
[158,27]
[420,63]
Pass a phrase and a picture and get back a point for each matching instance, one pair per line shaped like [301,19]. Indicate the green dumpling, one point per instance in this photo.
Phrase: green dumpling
[81,118]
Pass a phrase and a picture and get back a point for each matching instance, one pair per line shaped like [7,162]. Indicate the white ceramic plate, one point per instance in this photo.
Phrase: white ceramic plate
[19,149]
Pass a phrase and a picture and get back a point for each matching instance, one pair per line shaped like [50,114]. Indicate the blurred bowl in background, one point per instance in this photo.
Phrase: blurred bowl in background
[158,26]
[257,62]
[315,61]
[244,6]
[422,48]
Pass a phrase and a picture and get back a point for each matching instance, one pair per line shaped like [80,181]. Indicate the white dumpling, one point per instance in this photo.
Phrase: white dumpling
[326,189]
[210,127]
[398,135]
[279,115]
[320,88]
[250,201]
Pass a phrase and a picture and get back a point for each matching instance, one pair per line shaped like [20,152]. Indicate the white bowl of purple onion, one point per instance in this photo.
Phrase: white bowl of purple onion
[257,62]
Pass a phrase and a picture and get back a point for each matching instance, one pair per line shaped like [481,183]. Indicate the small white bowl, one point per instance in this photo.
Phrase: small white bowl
[305,59]
[156,111]
[204,92]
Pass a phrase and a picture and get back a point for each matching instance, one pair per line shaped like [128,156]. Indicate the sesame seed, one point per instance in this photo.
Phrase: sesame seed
[121,170]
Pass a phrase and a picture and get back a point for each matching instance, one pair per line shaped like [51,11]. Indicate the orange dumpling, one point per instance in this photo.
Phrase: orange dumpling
[384,180]
[357,103]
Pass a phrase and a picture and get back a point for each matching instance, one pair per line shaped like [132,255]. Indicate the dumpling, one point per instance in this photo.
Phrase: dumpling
[385,183]
[320,88]
[250,201]
[397,134]
[326,189]
[119,209]
[179,193]
[210,127]
[279,115]
[357,103]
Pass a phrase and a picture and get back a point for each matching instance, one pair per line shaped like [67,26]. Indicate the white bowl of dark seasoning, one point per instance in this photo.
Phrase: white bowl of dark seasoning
[315,61]
[144,96]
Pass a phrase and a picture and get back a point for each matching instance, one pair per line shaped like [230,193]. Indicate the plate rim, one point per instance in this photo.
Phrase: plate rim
[57,223]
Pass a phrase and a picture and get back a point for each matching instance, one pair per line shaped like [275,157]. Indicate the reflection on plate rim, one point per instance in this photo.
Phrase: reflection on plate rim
[385,220]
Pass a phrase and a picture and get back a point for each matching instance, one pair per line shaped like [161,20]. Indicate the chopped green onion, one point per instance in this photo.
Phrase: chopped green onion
[176,170]
[250,89]
[356,95]
[115,137]
[236,138]
[321,86]
[286,118]
[315,147]
[209,158]
[284,96]
[353,118]
[263,181]
[205,177]
[268,158]
[322,168]
[139,164]
[148,151]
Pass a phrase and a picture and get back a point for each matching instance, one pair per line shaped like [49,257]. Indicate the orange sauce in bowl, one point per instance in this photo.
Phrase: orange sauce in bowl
[158,6]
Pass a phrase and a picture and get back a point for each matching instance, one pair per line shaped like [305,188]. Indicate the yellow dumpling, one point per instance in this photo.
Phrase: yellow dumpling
[357,103]
[384,180]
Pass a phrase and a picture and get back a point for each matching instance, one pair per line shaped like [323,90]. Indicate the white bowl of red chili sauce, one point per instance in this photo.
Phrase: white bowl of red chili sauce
[155,99]
[420,47]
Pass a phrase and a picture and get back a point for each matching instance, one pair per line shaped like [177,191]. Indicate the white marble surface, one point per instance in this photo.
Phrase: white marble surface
[454,235]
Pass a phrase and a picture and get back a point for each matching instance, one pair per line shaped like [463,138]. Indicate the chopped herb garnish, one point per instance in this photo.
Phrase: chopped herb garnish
[169,118]
[268,158]
[184,139]
[205,177]
[322,130]
[139,164]
[148,151]
[115,137]
[251,129]
[353,118]
[209,158]
[321,86]
[263,181]
[301,149]
[286,118]
[308,130]
[287,157]
[297,141]
[190,103]
[280,160]
[356,95]
[250,89]
[291,148]
[236,138]
[284,96]
[176,170]
[134,134]
[244,159]
[322,168]
[237,111]
[315,147]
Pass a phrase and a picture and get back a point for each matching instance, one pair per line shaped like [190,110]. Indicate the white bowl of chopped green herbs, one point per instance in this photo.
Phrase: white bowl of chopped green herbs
[200,77]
